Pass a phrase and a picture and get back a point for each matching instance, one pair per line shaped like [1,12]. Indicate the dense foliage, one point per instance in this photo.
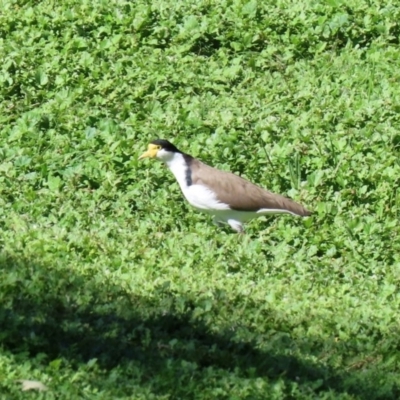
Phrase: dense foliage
[112,287]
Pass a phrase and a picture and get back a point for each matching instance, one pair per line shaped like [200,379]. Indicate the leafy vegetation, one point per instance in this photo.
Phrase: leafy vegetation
[112,287]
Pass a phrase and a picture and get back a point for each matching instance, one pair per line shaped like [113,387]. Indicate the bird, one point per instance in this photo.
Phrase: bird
[229,198]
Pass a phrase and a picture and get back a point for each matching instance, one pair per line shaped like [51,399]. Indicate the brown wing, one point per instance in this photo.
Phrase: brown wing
[239,193]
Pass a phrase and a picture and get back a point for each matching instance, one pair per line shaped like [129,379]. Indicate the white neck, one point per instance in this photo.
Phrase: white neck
[178,167]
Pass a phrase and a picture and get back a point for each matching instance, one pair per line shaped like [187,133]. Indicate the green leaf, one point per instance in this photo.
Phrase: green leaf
[250,8]
[53,182]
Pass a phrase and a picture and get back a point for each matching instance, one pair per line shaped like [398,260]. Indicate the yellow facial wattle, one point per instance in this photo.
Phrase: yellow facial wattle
[151,152]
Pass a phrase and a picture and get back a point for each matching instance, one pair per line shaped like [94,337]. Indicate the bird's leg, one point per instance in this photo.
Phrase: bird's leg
[218,222]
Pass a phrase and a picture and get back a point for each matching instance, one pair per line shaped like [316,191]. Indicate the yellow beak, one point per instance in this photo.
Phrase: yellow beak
[150,153]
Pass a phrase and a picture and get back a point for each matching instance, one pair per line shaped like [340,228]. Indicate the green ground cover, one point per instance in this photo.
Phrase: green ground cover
[111,287]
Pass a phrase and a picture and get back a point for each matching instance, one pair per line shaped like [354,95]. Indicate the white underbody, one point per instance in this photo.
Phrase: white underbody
[205,200]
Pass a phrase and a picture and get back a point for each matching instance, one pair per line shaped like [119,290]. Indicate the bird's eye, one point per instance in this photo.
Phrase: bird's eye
[158,147]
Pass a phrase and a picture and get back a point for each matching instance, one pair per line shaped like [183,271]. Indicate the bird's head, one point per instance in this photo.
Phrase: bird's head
[161,150]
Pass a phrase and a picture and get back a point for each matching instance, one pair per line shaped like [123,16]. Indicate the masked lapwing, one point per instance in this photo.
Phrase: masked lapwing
[227,197]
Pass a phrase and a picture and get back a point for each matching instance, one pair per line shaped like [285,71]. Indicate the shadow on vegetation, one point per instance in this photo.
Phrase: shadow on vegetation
[50,311]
